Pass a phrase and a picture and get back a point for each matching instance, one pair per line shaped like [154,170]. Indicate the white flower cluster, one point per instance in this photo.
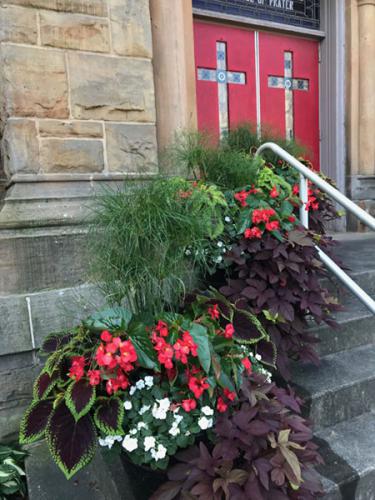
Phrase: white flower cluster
[147,382]
[109,441]
[160,408]
[175,430]
[204,422]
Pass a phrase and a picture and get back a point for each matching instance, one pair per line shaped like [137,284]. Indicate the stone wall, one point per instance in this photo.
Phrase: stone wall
[77,111]
[77,87]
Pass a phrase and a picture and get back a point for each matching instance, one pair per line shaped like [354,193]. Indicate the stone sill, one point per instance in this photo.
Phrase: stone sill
[115,176]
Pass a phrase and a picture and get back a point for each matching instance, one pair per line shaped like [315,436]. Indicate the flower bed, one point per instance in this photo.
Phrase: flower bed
[179,376]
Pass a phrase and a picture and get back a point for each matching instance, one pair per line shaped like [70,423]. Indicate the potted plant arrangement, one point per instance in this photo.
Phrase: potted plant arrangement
[180,382]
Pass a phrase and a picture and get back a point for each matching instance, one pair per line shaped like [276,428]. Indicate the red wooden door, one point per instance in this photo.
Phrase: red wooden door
[289,89]
[225,62]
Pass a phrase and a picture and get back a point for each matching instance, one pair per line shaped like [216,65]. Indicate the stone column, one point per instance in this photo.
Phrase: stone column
[366,18]
[174,70]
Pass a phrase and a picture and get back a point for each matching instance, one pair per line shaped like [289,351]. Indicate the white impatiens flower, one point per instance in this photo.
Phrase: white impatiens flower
[174,430]
[159,453]
[227,219]
[144,409]
[158,412]
[149,443]
[258,357]
[187,433]
[164,403]
[129,443]
[132,390]
[109,441]
[220,244]
[218,259]
[133,431]
[205,423]
[140,384]
[141,425]
[128,405]
[149,381]
[178,419]
[206,410]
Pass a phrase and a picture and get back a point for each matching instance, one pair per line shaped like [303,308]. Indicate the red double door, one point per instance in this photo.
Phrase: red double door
[267,79]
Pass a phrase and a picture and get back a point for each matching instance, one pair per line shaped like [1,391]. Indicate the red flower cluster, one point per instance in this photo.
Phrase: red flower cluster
[229,331]
[274,192]
[221,405]
[312,203]
[189,404]
[247,365]
[241,196]
[273,225]
[262,215]
[117,357]
[198,385]
[77,370]
[185,346]
[252,233]
[214,311]
[182,348]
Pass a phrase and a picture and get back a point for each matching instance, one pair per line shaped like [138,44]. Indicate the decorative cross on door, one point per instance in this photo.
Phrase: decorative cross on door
[223,78]
[290,84]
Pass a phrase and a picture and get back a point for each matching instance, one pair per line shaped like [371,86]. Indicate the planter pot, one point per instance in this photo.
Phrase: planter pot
[143,481]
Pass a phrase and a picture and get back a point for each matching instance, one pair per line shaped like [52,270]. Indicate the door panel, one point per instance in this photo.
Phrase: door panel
[239,58]
[305,69]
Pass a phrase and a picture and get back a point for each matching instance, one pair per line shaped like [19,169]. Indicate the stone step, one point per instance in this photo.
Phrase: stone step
[348,452]
[356,327]
[341,388]
[356,253]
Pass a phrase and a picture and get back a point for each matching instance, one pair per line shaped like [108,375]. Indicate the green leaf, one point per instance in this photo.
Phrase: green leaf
[116,318]
[200,337]
[145,350]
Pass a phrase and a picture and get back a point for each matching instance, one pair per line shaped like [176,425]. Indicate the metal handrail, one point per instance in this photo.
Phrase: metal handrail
[308,175]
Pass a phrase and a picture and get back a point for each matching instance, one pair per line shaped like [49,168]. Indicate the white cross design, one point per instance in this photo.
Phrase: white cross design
[290,84]
[223,79]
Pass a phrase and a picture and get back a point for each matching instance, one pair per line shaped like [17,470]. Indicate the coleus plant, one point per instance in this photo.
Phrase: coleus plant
[261,450]
[96,383]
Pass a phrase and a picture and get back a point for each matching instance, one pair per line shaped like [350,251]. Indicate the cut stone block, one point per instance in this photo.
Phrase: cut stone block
[59,128]
[92,7]
[74,31]
[71,155]
[19,147]
[131,27]
[18,25]
[35,82]
[131,148]
[111,88]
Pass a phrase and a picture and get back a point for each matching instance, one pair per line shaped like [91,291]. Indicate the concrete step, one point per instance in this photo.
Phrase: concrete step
[348,452]
[341,388]
[356,327]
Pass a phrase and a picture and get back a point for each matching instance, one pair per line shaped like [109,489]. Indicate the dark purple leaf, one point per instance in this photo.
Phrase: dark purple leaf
[109,415]
[258,428]
[54,341]
[72,443]
[44,384]
[34,421]
[79,397]
[167,491]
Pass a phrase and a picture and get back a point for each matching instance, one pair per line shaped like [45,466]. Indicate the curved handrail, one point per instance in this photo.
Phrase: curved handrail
[321,183]
[305,175]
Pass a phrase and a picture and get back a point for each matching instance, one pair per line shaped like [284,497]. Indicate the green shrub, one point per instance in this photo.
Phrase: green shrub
[12,482]
[140,239]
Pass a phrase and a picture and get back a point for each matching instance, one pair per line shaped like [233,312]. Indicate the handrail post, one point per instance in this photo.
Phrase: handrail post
[304,197]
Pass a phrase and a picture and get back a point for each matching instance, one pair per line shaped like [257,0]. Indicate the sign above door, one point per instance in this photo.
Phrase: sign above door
[302,13]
